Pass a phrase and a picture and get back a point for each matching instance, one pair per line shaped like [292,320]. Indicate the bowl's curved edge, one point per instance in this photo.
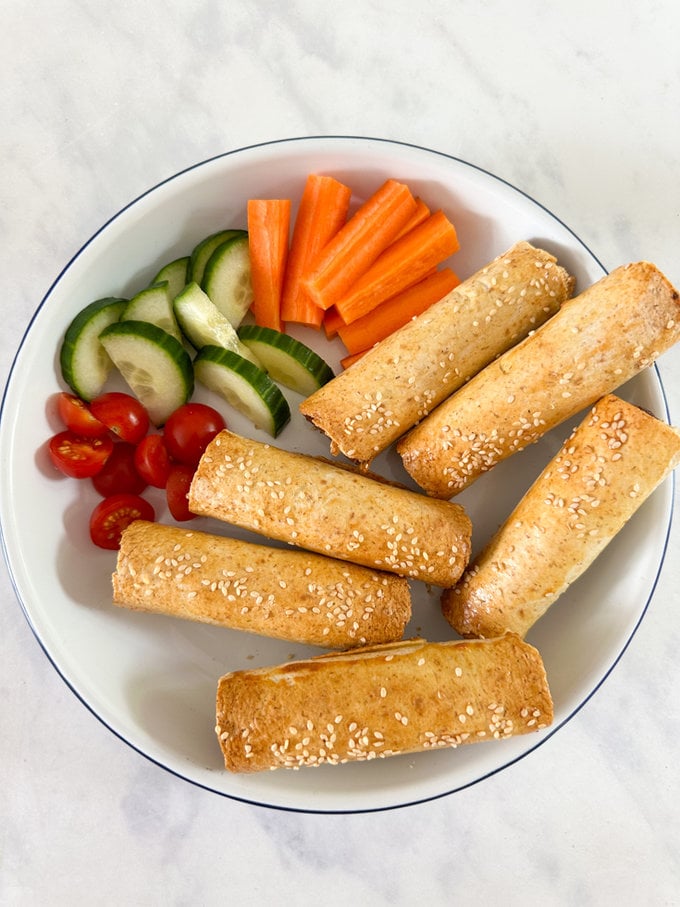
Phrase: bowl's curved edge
[282,806]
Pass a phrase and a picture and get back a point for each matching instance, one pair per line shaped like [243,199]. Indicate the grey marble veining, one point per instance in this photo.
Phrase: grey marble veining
[577,106]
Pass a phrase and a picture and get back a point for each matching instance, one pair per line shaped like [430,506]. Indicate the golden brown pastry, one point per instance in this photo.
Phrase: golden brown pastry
[340,512]
[604,472]
[381,701]
[391,388]
[595,343]
[275,592]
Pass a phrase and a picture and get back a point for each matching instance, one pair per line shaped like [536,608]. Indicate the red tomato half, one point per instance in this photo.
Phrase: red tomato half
[123,414]
[189,430]
[76,416]
[152,460]
[177,490]
[79,457]
[113,515]
[119,473]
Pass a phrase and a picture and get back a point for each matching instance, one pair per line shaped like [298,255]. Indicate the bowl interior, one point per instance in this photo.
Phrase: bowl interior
[152,680]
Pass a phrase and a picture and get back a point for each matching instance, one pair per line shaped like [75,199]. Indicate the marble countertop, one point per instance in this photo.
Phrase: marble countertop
[579,109]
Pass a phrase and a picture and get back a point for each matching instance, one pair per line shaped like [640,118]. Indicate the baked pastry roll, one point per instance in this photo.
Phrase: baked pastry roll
[330,509]
[391,388]
[381,701]
[604,472]
[274,592]
[595,343]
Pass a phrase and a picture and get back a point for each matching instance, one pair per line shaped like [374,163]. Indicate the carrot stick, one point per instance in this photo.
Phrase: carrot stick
[322,212]
[402,264]
[346,361]
[331,322]
[421,213]
[396,311]
[358,244]
[268,229]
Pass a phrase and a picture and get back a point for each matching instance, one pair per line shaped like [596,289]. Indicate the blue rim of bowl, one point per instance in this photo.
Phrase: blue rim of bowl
[246,800]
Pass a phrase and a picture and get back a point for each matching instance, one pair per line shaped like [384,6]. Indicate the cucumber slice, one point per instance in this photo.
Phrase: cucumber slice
[85,364]
[202,252]
[227,280]
[204,325]
[286,359]
[245,386]
[153,363]
[175,272]
[154,304]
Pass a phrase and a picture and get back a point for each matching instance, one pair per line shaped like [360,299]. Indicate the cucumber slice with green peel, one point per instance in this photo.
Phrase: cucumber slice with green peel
[154,304]
[175,272]
[246,387]
[204,325]
[205,248]
[154,364]
[227,279]
[287,360]
[85,364]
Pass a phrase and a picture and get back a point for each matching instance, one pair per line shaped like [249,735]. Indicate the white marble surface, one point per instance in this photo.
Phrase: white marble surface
[578,105]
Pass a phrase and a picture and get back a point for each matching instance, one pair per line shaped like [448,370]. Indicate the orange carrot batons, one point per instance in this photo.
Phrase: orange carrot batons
[358,244]
[392,314]
[402,264]
[323,210]
[331,322]
[346,361]
[421,213]
[268,235]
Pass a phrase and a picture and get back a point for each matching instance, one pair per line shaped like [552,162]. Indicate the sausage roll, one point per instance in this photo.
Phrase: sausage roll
[609,465]
[332,510]
[381,701]
[395,385]
[274,592]
[595,343]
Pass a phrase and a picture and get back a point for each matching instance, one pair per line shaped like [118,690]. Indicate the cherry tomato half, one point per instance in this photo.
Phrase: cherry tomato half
[177,490]
[77,416]
[119,473]
[189,430]
[152,460]
[113,515]
[79,457]
[123,414]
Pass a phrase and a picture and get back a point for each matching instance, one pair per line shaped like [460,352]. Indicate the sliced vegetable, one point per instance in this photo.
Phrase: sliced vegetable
[386,318]
[189,430]
[79,457]
[346,361]
[85,365]
[77,416]
[203,323]
[286,360]
[246,387]
[119,473]
[322,211]
[174,274]
[122,414]
[331,322]
[114,514]
[201,253]
[268,235]
[421,214]
[156,367]
[404,263]
[356,246]
[154,304]
[152,460]
[227,278]
[177,492]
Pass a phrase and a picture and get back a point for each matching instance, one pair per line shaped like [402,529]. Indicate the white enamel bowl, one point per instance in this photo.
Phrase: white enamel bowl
[152,680]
